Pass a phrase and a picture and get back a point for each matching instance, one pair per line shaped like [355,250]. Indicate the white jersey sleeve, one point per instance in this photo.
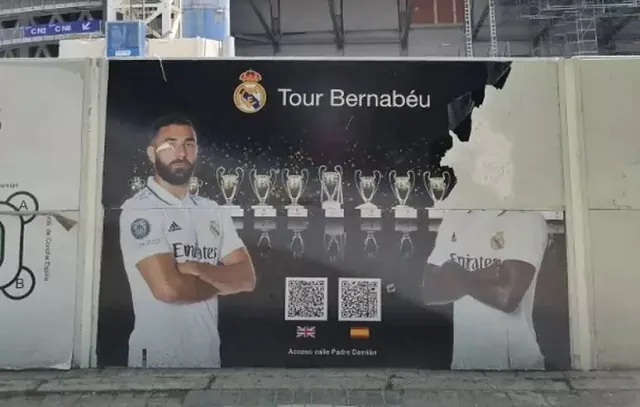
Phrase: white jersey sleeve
[442,249]
[142,234]
[230,239]
[525,237]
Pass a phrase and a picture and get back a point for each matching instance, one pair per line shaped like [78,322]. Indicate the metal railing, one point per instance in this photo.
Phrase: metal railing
[15,7]
[10,36]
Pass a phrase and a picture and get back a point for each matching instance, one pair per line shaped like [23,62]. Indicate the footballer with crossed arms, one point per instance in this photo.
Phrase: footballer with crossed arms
[486,263]
[180,252]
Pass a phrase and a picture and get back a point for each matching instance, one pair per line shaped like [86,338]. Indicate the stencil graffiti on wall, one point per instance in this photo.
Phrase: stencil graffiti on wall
[17,281]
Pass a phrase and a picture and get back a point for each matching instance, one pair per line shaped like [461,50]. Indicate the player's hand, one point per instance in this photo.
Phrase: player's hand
[453,268]
[444,286]
[189,268]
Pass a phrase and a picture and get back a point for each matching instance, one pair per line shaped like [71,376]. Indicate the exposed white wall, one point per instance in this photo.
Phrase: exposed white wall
[52,142]
[513,159]
[610,95]
[40,173]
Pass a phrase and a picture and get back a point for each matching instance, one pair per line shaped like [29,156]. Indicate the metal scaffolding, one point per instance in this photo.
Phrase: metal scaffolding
[564,27]
[468,28]
[472,30]
[493,30]
[578,27]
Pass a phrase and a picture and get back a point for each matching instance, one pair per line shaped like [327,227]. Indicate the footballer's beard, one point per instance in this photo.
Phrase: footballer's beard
[178,176]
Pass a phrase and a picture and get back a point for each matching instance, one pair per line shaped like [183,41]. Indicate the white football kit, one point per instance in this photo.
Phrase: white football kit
[484,337]
[192,229]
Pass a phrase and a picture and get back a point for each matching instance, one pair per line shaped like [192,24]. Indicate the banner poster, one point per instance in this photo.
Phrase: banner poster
[265,213]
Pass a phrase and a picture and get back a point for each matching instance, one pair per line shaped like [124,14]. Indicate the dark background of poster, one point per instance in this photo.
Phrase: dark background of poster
[278,137]
[252,325]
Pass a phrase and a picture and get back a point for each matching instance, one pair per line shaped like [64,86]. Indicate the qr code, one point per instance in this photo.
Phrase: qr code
[359,299]
[305,299]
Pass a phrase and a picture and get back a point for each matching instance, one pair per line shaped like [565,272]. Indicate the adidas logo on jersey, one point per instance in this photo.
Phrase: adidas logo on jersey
[174,227]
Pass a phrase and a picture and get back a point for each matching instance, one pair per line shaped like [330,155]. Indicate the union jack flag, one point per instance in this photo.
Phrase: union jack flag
[305,332]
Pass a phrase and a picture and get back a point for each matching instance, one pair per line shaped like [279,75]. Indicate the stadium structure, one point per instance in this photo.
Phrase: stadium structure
[417,28]
[15,15]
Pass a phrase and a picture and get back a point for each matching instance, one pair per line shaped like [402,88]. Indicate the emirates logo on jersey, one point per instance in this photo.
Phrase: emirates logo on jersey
[474,263]
[194,252]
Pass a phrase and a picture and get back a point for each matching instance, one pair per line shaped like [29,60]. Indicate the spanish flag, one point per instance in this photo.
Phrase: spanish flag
[359,333]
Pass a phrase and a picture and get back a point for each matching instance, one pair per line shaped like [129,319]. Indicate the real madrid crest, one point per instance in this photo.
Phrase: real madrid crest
[214,228]
[497,241]
[250,96]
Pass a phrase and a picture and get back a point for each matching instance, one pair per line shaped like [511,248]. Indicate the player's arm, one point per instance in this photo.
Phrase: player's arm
[149,250]
[443,284]
[235,273]
[502,286]
[442,278]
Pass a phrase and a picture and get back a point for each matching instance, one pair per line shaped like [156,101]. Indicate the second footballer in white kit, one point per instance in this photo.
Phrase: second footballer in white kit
[180,252]
[486,263]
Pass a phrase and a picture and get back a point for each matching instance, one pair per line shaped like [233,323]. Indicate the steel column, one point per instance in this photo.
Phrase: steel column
[336,8]
[275,42]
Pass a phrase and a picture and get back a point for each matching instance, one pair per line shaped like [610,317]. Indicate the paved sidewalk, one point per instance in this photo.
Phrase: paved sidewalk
[321,387]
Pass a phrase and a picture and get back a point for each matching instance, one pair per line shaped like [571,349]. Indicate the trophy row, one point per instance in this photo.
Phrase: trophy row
[335,238]
[331,183]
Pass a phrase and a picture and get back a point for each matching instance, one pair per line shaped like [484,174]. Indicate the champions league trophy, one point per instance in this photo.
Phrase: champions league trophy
[194,185]
[402,186]
[437,187]
[229,184]
[297,226]
[367,187]
[262,184]
[264,241]
[331,189]
[335,240]
[406,226]
[136,184]
[294,185]
[370,242]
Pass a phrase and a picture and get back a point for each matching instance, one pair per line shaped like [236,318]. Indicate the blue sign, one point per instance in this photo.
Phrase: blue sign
[76,27]
[126,38]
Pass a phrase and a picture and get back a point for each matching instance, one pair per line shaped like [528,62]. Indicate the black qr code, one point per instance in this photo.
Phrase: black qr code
[305,299]
[359,299]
